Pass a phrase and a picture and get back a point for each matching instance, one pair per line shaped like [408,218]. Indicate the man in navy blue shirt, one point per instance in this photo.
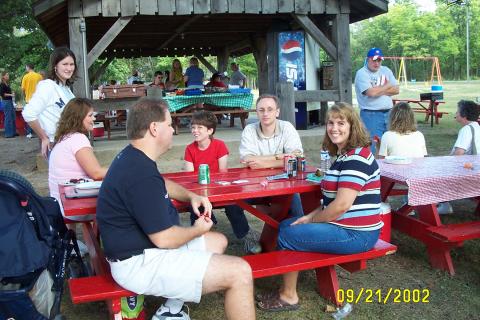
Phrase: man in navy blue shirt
[148,251]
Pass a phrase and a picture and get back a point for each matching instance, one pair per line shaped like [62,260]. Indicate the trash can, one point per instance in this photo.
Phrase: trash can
[386,217]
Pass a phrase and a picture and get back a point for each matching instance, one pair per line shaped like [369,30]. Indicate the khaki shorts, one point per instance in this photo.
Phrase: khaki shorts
[170,273]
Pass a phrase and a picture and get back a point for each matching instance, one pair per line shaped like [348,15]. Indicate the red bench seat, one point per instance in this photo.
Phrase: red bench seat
[279,262]
[457,232]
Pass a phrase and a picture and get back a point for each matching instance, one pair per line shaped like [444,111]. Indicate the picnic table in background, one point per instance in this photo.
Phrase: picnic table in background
[431,180]
[219,103]
[429,107]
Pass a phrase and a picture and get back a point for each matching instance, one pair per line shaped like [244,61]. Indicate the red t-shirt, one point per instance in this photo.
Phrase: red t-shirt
[210,156]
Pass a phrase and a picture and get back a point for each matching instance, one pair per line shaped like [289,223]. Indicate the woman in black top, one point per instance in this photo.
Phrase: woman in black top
[8,108]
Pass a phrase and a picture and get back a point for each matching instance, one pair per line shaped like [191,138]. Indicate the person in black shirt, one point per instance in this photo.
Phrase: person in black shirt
[148,251]
[8,107]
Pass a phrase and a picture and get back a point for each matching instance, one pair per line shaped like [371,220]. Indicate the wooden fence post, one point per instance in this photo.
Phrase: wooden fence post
[286,97]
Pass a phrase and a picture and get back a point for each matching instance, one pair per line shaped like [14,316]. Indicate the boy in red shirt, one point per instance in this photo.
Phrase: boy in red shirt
[207,150]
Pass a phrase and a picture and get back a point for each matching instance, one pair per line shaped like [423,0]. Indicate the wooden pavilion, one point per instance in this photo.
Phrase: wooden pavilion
[108,29]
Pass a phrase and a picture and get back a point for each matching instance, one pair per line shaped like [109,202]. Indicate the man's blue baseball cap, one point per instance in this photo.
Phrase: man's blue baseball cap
[375,53]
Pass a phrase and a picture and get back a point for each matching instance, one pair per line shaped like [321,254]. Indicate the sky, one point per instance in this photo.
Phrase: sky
[426,5]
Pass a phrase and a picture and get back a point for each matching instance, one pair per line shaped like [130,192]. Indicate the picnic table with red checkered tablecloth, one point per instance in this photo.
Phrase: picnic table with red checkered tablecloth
[431,180]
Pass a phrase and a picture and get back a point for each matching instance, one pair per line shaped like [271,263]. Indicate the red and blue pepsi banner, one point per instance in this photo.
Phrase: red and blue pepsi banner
[291,58]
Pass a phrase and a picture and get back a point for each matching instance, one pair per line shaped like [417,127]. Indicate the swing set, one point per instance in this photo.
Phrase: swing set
[401,71]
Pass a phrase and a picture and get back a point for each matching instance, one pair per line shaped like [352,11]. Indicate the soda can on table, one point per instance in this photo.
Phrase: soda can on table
[301,164]
[292,167]
[285,162]
[203,174]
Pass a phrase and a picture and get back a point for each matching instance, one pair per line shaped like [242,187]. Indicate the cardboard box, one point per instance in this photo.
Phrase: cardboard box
[123,91]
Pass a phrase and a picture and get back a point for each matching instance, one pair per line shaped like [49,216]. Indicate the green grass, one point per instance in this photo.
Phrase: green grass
[451,297]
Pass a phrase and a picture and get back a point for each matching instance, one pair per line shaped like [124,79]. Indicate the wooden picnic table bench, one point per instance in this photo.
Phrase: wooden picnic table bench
[103,287]
[430,109]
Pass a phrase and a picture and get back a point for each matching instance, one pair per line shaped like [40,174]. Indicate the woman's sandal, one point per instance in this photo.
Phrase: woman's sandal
[272,302]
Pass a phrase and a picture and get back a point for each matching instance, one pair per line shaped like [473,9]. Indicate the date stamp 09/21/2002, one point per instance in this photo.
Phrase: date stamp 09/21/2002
[388,295]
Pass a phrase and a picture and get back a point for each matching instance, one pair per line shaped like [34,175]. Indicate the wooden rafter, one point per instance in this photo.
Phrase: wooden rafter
[178,31]
[316,34]
[107,38]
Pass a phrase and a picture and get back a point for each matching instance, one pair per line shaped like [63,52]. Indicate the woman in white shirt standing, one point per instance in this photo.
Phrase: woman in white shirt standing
[51,95]
[402,139]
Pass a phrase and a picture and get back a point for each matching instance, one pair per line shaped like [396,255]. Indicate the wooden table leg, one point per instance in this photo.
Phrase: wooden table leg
[438,250]
[327,283]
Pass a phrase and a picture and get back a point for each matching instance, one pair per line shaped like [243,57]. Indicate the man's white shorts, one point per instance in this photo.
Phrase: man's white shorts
[170,273]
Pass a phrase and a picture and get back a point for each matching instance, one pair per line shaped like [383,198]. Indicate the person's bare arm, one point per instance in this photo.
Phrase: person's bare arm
[188,166]
[341,204]
[257,162]
[179,193]
[177,236]
[223,163]
[45,141]
[87,160]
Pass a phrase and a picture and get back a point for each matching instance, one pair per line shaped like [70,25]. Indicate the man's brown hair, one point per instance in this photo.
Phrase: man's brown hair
[144,112]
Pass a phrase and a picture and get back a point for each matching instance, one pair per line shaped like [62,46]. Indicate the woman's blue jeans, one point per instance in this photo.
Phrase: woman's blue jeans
[9,112]
[324,237]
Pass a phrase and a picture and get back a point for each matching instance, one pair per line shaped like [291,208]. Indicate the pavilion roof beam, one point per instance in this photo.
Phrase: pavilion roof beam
[179,30]
[316,34]
[239,45]
[107,38]
[40,7]
[206,64]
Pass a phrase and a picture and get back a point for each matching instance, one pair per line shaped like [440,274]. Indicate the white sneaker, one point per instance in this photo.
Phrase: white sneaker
[444,208]
[29,136]
[163,313]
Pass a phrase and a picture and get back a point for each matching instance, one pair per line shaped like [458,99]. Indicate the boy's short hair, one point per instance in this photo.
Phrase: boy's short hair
[205,118]
[144,112]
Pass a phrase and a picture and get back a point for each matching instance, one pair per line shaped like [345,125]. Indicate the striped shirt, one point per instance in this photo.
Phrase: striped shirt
[357,170]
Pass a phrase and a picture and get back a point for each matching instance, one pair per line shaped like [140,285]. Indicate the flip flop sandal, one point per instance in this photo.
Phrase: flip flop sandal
[276,304]
[269,295]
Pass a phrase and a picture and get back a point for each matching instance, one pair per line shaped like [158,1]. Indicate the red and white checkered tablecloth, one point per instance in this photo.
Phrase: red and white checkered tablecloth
[436,179]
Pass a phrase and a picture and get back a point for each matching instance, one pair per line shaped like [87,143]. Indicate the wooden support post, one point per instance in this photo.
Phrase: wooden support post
[343,70]
[286,96]
[222,60]
[260,54]
[79,88]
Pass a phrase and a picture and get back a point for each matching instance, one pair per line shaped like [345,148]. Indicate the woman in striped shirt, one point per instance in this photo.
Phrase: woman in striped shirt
[349,220]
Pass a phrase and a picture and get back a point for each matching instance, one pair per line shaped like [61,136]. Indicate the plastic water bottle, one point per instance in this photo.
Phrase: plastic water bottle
[324,161]
[342,312]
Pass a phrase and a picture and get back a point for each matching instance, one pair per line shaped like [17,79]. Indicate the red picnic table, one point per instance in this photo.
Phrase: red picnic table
[276,196]
[431,108]
[272,202]
[431,180]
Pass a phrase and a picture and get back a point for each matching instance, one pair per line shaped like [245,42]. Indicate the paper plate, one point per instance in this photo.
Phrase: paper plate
[398,160]
[89,185]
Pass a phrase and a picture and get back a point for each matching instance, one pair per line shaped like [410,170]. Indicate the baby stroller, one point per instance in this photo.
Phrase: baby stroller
[35,253]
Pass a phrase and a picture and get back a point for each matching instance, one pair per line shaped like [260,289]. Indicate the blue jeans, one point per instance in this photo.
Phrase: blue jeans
[9,112]
[239,222]
[376,123]
[324,237]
